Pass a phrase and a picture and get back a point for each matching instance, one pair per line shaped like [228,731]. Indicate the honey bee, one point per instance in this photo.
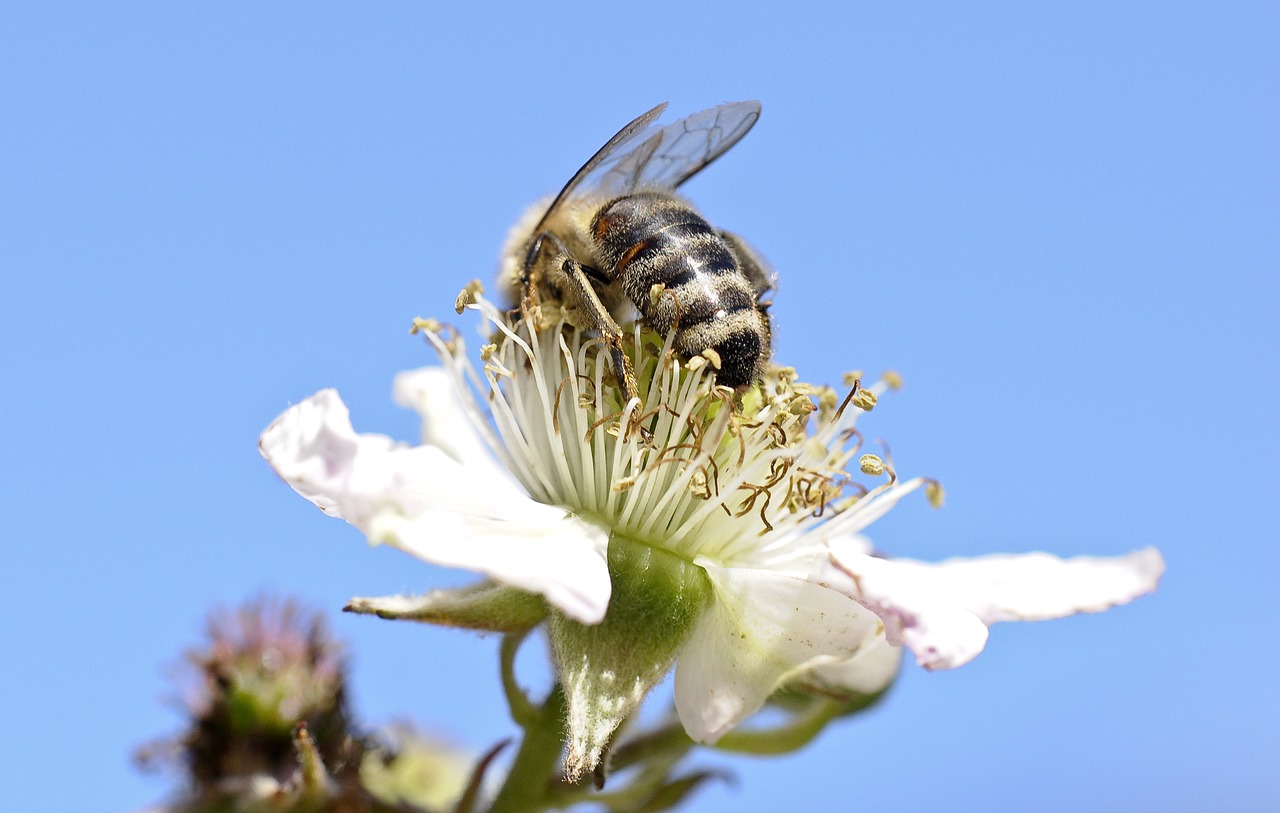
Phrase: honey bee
[618,240]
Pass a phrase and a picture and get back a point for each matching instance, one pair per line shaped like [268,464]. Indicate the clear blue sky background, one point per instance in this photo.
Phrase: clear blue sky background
[1061,226]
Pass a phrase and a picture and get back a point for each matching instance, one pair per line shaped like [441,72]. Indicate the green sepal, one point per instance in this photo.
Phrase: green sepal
[606,669]
[800,696]
[487,606]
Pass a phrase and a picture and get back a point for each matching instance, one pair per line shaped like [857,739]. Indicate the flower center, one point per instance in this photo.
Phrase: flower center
[687,468]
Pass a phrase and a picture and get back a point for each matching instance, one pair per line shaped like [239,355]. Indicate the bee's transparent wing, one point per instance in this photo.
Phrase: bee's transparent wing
[622,139]
[673,154]
[643,155]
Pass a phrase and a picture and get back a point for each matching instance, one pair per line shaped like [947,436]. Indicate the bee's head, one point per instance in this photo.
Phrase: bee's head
[515,251]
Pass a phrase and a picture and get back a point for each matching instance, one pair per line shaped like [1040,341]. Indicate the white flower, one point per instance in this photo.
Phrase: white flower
[756,501]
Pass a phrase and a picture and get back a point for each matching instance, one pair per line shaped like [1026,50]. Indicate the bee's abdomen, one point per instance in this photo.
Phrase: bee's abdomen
[649,239]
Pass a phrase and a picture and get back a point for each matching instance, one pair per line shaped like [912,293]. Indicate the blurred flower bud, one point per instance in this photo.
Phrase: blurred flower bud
[269,726]
[266,668]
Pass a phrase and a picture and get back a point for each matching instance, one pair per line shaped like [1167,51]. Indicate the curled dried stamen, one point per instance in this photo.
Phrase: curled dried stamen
[757,491]
[555,407]
[854,390]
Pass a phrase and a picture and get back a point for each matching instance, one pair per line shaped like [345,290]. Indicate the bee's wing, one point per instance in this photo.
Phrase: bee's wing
[673,154]
[642,155]
[623,138]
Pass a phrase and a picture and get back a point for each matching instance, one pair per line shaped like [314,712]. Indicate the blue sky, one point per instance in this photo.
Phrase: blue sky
[1059,224]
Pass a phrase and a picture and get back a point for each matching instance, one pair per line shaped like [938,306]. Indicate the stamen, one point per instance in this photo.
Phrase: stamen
[468,385]
[468,295]
[555,408]
[934,493]
[690,523]
[680,482]
[865,400]
[623,483]
[756,491]
[852,378]
[421,325]
[871,464]
[871,506]
[616,417]
[671,427]
[684,460]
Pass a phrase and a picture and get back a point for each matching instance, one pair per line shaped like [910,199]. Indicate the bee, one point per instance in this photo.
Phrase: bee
[618,240]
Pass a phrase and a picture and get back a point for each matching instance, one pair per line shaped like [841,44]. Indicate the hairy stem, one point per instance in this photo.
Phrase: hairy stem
[536,765]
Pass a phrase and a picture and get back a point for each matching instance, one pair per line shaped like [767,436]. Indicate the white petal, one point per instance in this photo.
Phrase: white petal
[558,556]
[762,627]
[313,448]
[941,611]
[869,670]
[427,503]
[446,423]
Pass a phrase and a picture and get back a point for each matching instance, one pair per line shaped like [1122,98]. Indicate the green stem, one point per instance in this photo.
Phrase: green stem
[537,761]
[523,712]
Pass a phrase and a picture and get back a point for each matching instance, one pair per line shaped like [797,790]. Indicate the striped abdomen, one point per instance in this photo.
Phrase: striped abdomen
[650,238]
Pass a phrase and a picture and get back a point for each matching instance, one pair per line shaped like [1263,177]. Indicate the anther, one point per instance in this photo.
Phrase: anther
[421,325]
[935,494]
[467,295]
[864,400]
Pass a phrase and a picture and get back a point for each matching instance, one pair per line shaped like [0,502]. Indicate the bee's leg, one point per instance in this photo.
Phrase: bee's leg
[580,282]
[577,279]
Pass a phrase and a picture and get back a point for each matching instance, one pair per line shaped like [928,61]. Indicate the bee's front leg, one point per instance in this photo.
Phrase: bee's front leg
[576,280]
[602,320]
